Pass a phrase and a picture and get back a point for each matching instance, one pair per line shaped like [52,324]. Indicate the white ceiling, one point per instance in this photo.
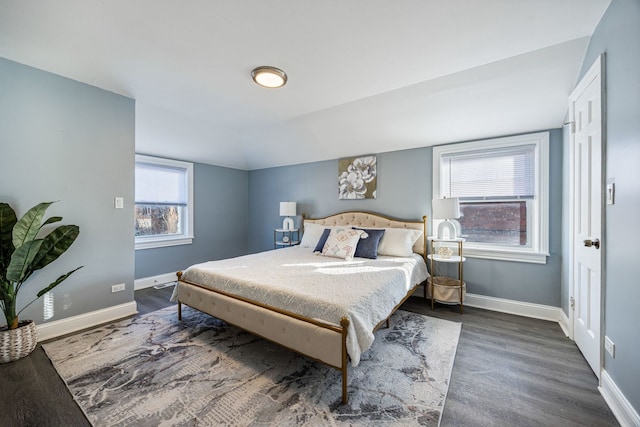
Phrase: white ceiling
[365,76]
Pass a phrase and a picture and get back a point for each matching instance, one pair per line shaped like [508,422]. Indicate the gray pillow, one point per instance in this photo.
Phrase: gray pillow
[368,247]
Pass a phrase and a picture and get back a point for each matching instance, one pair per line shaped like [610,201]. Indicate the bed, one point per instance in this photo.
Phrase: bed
[324,307]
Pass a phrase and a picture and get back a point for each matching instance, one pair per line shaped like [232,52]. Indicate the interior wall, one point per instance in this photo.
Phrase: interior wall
[314,187]
[613,37]
[220,220]
[72,143]
[405,191]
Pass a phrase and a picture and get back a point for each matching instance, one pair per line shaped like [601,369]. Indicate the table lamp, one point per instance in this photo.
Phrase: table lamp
[446,209]
[287,209]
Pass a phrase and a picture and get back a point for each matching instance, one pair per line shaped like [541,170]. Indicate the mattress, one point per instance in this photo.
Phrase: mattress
[294,279]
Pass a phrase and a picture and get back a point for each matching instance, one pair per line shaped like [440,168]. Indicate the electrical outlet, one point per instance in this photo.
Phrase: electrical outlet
[610,346]
[117,288]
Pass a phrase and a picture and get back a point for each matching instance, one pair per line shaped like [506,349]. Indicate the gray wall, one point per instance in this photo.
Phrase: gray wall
[220,217]
[617,36]
[314,187]
[404,191]
[67,141]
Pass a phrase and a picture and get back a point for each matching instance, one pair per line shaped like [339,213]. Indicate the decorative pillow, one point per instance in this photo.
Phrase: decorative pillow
[368,247]
[342,243]
[322,240]
[311,235]
[398,241]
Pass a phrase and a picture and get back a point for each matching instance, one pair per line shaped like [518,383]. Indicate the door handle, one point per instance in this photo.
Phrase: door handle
[595,243]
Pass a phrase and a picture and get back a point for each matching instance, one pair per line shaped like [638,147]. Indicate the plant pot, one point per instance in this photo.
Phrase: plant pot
[18,343]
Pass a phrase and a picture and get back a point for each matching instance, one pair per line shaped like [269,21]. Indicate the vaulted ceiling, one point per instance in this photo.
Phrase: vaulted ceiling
[365,76]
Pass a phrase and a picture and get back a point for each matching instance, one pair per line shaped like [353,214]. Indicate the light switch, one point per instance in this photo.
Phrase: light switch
[611,193]
[119,202]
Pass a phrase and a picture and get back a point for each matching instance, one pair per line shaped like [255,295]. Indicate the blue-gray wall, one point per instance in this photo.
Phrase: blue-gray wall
[221,199]
[314,187]
[404,191]
[67,141]
[616,36]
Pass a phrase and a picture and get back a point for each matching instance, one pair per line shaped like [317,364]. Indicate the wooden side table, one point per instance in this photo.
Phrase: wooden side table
[444,288]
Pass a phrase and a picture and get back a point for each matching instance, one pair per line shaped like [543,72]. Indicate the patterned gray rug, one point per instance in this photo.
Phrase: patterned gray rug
[153,370]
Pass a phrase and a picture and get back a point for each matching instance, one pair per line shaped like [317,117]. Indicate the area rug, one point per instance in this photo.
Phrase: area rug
[154,370]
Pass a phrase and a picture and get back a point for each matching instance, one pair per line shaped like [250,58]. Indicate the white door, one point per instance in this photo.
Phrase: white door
[586,151]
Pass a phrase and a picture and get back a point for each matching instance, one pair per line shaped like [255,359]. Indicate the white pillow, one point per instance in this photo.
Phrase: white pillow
[342,242]
[398,241]
[311,235]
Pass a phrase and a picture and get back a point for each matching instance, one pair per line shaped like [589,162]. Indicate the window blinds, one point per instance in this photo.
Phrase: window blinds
[491,174]
[160,185]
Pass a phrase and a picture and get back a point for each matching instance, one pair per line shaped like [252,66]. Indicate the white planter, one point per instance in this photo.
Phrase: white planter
[18,343]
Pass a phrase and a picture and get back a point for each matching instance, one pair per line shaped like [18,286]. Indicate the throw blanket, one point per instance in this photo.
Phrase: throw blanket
[297,280]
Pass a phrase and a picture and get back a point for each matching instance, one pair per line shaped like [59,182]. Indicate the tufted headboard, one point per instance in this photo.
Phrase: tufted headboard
[374,220]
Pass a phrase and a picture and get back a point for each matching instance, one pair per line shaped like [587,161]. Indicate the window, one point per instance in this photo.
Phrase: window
[164,202]
[502,185]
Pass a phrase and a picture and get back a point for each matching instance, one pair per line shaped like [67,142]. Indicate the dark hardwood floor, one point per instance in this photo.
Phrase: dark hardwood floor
[32,393]
[508,371]
[151,299]
[516,371]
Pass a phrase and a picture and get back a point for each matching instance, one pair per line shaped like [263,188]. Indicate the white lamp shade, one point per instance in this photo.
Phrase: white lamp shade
[445,208]
[287,208]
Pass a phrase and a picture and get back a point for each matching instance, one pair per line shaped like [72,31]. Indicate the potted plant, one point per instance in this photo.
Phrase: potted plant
[23,250]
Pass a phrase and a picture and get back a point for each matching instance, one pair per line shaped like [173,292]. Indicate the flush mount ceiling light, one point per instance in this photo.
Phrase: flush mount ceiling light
[269,76]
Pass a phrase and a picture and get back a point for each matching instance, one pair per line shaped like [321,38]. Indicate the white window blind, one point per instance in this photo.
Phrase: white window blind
[493,174]
[164,206]
[160,185]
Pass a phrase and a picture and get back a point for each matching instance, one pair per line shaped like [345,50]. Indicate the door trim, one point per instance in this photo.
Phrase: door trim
[596,70]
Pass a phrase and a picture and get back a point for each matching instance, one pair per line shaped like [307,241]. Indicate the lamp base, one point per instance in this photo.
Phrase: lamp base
[287,224]
[447,230]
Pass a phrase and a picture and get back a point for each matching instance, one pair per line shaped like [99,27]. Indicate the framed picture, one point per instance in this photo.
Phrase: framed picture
[357,178]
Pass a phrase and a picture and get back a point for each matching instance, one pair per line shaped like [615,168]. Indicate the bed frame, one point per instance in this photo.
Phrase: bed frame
[314,339]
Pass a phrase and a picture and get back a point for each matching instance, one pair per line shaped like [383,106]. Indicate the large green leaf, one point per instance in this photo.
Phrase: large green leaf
[27,227]
[55,244]
[22,259]
[7,220]
[57,282]
[52,220]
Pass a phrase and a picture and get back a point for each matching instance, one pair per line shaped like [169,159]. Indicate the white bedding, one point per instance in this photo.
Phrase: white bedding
[297,280]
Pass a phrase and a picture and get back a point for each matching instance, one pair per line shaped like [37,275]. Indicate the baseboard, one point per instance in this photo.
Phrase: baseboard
[620,406]
[147,282]
[57,328]
[564,323]
[526,309]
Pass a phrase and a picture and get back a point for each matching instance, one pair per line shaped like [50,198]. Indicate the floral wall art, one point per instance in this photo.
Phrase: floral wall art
[357,178]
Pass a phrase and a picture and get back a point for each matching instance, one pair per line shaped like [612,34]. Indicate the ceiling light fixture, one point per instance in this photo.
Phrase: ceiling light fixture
[267,76]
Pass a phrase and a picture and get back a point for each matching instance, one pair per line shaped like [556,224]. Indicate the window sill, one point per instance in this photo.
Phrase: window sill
[156,242]
[506,255]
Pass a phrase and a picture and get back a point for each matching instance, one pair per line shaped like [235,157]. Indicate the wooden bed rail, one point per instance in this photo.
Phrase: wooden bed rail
[342,329]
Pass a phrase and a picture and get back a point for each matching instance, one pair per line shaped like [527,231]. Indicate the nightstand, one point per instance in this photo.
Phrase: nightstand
[446,289]
[284,238]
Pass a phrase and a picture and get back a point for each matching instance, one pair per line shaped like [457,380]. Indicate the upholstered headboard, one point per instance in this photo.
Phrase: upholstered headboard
[374,220]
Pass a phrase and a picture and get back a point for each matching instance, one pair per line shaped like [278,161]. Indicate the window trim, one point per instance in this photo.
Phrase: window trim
[539,249]
[149,242]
